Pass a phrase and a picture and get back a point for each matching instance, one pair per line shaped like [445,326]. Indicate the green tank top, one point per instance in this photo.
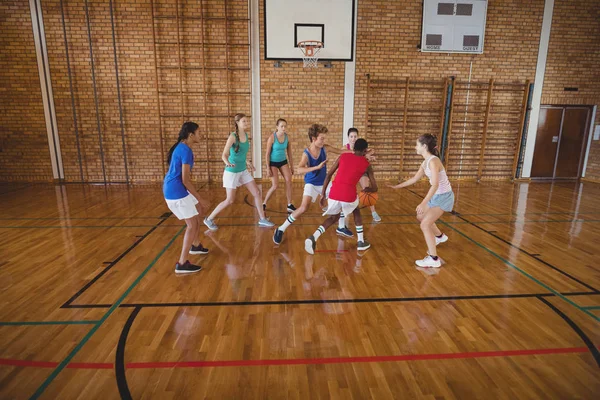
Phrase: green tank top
[239,158]
[278,149]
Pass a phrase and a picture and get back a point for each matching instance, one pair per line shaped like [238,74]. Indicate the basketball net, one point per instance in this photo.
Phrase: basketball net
[310,50]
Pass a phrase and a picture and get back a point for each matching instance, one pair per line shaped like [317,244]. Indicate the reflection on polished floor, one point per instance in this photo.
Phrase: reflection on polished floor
[91,306]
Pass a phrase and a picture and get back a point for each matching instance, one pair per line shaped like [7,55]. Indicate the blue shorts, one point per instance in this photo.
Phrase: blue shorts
[445,201]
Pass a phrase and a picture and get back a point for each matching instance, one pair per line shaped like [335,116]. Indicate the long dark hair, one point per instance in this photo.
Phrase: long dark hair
[431,142]
[237,118]
[186,130]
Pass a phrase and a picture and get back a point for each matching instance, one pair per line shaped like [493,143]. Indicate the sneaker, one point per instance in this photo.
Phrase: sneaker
[376,217]
[310,244]
[429,262]
[442,239]
[198,249]
[362,246]
[291,208]
[210,224]
[264,207]
[277,236]
[265,222]
[187,268]
[344,232]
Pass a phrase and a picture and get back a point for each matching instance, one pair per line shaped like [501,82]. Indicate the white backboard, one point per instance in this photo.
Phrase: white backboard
[287,22]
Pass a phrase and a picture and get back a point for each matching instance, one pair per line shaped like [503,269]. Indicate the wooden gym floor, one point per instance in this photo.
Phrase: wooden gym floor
[91,307]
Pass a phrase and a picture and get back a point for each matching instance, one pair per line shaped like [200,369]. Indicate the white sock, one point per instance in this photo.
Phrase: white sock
[289,220]
[342,221]
[320,230]
[359,233]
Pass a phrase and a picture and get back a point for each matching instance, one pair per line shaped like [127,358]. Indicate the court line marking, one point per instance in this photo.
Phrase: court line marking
[87,337]
[301,361]
[337,301]
[474,224]
[588,342]
[597,318]
[295,224]
[25,323]
[112,264]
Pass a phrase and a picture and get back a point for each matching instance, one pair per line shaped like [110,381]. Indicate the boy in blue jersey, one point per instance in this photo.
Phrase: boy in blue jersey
[312,164]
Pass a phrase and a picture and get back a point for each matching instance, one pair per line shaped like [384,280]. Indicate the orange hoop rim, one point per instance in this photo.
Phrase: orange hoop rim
[308,47]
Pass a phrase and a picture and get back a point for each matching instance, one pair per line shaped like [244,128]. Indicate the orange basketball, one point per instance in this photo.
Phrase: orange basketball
[367,199]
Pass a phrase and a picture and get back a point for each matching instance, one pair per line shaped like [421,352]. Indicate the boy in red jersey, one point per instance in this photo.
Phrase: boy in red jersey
[342,197]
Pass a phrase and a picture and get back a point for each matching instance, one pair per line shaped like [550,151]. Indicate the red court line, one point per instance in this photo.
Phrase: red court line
[299,361]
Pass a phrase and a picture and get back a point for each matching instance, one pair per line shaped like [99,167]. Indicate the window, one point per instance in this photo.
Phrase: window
[464,9]
[433,40]
[445,9]
[470,41]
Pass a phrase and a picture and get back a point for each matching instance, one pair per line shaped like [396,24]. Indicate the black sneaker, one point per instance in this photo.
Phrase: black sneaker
[363,245]
[187,268]
[277,236]
[198,249]
[310,244]
[264,207]
[291,208]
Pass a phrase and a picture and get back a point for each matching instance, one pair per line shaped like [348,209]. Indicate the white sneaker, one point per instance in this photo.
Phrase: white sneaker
[442,239]
[264,222]
[210,224]
[429,262]
[376,217]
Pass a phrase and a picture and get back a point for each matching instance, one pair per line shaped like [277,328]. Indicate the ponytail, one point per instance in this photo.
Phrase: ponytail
[237,118]
[431,142]
[186,130]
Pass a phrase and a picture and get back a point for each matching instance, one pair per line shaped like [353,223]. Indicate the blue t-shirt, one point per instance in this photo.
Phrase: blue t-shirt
[317,177]
[173,187]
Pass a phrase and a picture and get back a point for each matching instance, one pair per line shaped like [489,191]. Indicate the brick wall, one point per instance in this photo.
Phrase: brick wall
[24,153]
[388,35]
[574,61]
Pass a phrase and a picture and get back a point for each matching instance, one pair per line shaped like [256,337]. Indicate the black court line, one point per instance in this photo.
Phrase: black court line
[590,345]
[518,248]
[120,356]
[67,304]
[335,301]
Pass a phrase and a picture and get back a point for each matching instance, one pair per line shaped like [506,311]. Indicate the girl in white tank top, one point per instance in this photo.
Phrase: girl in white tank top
[439,198]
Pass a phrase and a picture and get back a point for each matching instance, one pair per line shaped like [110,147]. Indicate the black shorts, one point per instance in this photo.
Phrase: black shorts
[277,164]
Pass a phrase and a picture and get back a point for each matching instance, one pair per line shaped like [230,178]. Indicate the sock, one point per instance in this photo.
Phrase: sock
[342,221]
[359,233]
[289,220]
[439,237]
[320,230]
[434,257]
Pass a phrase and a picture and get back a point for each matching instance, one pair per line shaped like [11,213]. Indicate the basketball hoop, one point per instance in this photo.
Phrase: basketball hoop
[310,50]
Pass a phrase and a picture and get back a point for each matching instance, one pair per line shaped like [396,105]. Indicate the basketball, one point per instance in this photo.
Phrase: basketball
[367,199]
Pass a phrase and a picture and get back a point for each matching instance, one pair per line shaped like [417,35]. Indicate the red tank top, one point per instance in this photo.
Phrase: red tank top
[351,168]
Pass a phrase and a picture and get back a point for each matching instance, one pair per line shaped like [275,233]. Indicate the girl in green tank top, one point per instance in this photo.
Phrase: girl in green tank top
[238,172]
[278,145]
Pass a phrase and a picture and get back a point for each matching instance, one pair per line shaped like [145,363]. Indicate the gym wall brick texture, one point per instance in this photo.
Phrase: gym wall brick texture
[388,35]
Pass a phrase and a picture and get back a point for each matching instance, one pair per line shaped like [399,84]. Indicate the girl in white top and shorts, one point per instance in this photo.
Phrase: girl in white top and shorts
[438,200]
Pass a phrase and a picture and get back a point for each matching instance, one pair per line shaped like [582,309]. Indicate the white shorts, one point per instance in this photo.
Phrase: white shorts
[328,189]
[334,207]
[312,191]
[233,180]
[183,208]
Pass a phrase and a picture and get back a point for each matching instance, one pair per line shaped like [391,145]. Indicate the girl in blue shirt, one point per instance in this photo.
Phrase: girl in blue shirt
[181,196]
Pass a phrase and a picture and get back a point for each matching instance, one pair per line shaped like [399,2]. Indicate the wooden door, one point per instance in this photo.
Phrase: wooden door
[571,142]
[546,142]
